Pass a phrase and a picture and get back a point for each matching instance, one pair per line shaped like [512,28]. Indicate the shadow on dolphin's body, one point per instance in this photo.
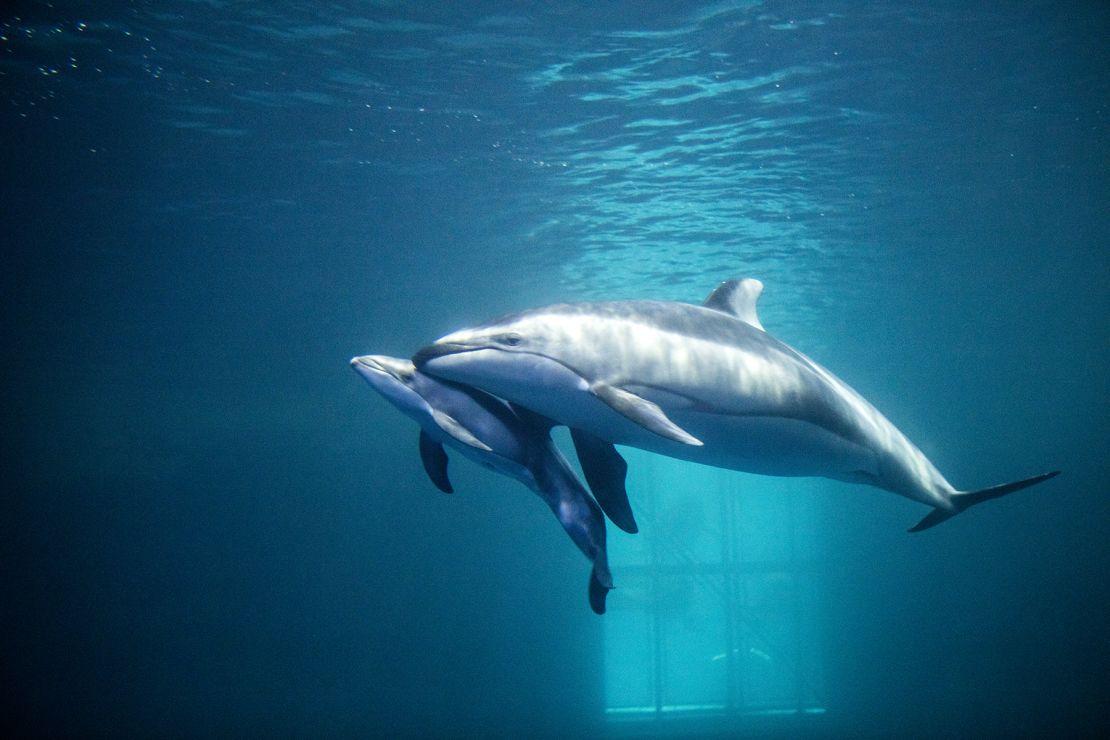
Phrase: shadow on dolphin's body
[516,443]
[703,383]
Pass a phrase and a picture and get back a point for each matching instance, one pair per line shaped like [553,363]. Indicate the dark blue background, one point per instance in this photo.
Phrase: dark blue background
[211,526]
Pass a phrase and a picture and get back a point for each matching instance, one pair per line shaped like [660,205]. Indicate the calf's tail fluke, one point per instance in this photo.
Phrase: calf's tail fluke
[966,499]
[601,583]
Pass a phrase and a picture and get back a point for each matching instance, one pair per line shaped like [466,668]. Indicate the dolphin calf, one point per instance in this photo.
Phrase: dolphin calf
[703,383]
[491,433]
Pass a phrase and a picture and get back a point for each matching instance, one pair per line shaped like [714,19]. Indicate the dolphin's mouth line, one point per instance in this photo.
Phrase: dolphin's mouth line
[368,364]
[432,351]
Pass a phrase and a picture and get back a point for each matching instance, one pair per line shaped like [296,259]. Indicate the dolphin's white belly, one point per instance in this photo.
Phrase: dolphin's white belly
[762,444]
[753,444]
[496,461]
[770,446]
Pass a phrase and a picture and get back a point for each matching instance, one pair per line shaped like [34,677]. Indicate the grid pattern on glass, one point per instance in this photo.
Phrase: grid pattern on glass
[717,596]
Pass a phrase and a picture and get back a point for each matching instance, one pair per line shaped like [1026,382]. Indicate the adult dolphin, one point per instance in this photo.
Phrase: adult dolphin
[491,433]
[703,383]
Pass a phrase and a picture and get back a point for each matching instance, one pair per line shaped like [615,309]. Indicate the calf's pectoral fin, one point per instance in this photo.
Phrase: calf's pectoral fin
[643,412]
[450,425]
[434,458]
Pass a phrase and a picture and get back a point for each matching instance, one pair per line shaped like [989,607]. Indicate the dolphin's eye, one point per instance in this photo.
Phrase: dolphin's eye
[512,339]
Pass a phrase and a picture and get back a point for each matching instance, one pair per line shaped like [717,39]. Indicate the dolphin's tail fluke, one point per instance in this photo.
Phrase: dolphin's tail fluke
[965,499]
[601,583]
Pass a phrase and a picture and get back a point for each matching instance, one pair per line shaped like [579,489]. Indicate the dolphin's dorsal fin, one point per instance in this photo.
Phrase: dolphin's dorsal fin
[737,297]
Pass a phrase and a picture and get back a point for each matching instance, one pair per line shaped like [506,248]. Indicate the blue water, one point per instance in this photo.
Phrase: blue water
[212,527]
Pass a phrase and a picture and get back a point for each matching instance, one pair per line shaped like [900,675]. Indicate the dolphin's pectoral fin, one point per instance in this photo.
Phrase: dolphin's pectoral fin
[738,298]
[643,412]
[448,424]
[435,462]
[605,471]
